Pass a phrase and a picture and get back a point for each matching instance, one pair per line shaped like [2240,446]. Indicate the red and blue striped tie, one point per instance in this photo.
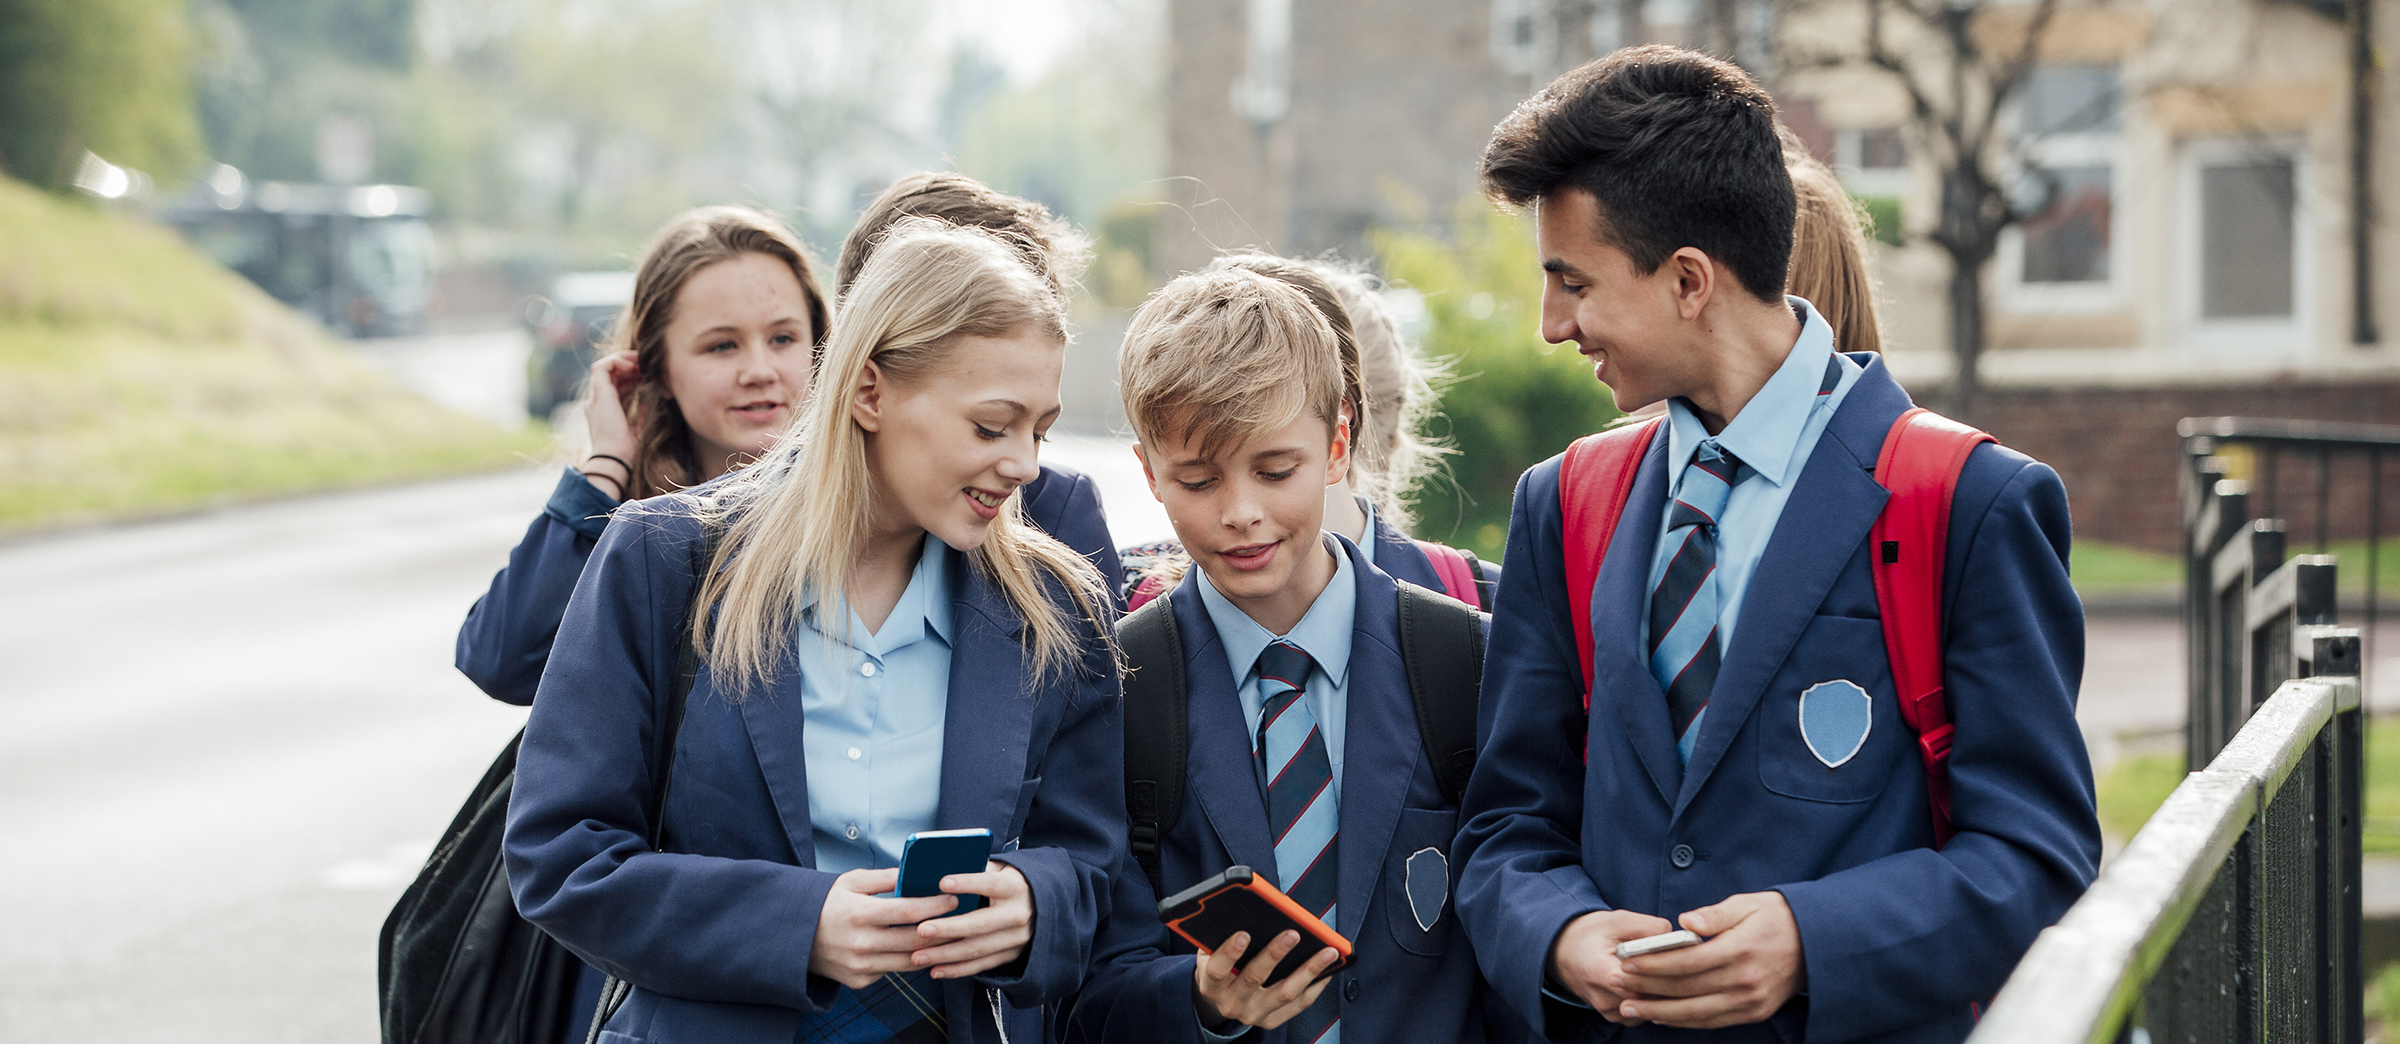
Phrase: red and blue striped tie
[1302,811]
[1684,651]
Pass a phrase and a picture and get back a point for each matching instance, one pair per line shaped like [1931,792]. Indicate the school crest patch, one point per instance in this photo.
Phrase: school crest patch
[1428,886]
[1835,718]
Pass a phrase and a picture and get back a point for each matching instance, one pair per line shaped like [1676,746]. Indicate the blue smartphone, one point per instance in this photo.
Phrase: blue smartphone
[930,855]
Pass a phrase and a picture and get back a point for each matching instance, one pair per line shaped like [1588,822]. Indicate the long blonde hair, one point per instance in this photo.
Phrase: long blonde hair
[795,522]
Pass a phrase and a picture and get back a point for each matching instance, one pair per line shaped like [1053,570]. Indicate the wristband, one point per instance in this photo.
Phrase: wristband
[612,480]
[590,457]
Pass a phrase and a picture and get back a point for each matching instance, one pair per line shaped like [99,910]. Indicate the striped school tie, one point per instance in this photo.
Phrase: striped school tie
[1684,652]
[1302,811]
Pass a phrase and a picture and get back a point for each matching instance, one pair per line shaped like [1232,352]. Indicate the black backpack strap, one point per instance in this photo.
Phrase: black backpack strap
[1441,642]
[1485,587]
[1156,740]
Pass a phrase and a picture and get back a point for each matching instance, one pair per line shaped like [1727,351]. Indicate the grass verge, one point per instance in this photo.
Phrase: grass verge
[138,377]
[2135,786]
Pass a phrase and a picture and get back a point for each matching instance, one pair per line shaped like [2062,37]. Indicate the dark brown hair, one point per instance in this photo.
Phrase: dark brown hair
[1046,242]
[664,457]
[1678,148]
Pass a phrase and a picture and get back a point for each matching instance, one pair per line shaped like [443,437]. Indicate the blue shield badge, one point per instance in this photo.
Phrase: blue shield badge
[1428,886]
[1835,718]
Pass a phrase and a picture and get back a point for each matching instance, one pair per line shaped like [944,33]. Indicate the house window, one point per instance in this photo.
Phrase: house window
[1263,93]
[1517,35]
[2243,229]
[2062,255]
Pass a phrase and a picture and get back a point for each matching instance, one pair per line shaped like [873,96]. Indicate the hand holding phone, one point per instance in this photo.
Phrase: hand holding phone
[1209,913]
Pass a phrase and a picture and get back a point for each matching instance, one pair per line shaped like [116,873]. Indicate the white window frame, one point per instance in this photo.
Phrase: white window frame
[2016,296]
[2288,336]
[1849,148]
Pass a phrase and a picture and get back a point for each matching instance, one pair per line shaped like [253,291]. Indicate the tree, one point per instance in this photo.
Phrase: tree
[1961,63]
[107,76]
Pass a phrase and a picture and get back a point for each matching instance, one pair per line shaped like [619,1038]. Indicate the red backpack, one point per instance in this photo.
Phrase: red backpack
[1919,464]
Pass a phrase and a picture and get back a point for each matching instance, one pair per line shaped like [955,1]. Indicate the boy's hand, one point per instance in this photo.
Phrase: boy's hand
[1220,994]
[1584,957]
[1747,969]
[973,943]
[855,942]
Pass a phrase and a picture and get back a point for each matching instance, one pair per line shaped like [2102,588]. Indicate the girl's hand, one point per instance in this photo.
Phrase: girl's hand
[1220,994]
[973,943]
[613,377]
[856,940]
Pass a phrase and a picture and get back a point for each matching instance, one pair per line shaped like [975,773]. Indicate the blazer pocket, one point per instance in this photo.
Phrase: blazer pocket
[1829,729]
[1417,880]
[1016,820]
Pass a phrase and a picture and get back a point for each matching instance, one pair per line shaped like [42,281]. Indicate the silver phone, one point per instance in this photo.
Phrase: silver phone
[1674,940]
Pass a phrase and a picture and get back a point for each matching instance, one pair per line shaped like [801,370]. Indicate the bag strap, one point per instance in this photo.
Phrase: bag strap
[1593,482]
[687,669]
[1451,566]
[1156,727]
[1919,464]
[1487,590]
[1441,642]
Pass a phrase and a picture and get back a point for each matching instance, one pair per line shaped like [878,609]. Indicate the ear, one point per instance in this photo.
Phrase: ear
[1693,279]
[866,400]
[1337,464]
[1149,478]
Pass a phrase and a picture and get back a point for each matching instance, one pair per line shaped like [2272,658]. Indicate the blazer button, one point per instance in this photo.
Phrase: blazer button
[1681,856]
[1350,990]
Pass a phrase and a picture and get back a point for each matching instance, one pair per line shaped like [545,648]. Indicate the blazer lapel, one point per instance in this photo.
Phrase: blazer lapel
[988,722]
[1620,599]
[777,721]
[1219,765]
[1828,515]
[1381,746]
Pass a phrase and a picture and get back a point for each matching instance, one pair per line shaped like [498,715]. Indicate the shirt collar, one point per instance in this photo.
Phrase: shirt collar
[1323,632]
[924,606]
[1766,433]
[1366,537]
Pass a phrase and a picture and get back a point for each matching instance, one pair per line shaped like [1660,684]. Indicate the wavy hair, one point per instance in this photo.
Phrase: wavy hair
[796,520]
[664,457]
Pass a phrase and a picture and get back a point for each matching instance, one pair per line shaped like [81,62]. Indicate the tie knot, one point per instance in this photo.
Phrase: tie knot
[1700,496]
[1286,663]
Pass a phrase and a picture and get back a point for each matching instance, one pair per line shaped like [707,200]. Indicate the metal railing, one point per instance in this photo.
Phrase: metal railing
[2233,915]
[2243,604]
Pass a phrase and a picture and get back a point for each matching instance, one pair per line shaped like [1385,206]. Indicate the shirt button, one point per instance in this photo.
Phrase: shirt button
[856,753]
[867,669]
[1350,990]
[1681,856]
[850,831]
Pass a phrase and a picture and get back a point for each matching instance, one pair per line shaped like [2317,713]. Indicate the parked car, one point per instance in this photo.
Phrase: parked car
[568,329]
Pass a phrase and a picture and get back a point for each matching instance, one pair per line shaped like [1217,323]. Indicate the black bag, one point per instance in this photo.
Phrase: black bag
[456,963]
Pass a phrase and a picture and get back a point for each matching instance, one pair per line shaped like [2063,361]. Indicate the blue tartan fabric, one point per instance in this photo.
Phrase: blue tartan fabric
[900,1008]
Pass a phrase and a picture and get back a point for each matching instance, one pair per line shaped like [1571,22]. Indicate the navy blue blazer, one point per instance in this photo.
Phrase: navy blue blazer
[715,932]
[1401,559]
[506,639]
[1408,979]
[1898,938]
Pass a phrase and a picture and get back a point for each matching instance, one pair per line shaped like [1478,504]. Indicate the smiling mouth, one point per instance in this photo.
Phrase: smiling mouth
[1252,556]
[986,499]
[758,409]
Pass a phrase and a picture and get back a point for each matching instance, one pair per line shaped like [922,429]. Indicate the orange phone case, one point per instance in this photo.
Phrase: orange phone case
[1238,900]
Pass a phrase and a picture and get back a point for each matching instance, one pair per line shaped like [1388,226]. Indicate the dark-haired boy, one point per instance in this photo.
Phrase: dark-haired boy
[1706,788]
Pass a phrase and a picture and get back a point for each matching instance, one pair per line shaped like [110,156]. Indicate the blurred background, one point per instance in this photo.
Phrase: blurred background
[291,292]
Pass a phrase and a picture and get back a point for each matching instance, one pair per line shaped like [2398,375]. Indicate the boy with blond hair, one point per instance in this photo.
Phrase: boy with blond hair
[1310,757]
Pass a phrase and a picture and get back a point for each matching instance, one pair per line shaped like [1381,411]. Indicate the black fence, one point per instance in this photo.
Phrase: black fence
[2233,915]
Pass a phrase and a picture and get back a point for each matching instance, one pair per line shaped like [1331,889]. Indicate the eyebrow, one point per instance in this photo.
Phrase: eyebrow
[1559,266]
[1020,409]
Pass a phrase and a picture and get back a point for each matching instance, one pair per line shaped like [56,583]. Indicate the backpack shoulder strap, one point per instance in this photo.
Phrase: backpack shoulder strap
[1486,589]
[1456,571]
[1156,740]
[1441,643]
[1593,482]
[1920,462]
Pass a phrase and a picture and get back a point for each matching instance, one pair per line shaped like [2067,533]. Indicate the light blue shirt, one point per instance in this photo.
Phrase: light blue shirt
[875,704]
[1366,537]
[1774,434]
[1323,632]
